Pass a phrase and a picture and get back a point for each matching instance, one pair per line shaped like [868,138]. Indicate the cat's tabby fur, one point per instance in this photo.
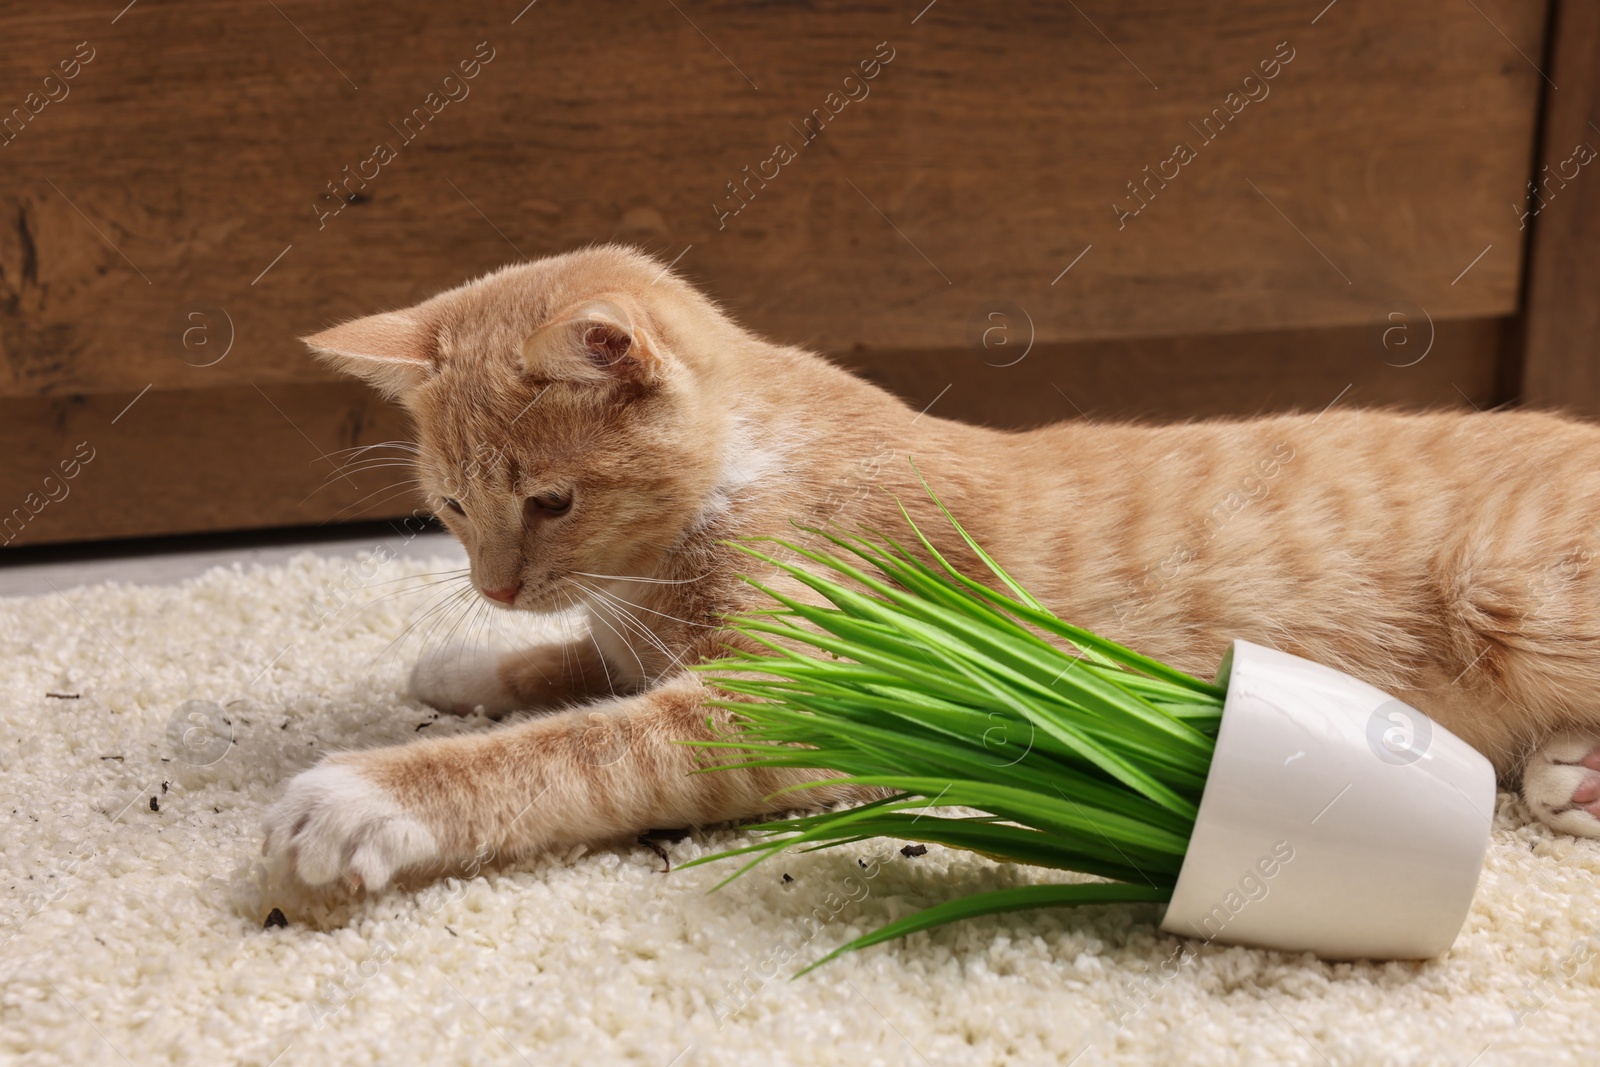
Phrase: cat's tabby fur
[1450,559]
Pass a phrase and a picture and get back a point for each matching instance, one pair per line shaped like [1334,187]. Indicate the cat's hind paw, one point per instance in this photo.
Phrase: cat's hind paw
[1561,784]
[462,678]
[333,823]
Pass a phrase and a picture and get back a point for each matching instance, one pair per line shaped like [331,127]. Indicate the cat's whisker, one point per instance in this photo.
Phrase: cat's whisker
[610,685]
[633,622]
[449,595]
[451,617]
[365,463]
[360,460]
[364,606]
[356,450]
[370,453]
[372,465]
[469,612]
[402,592]
[386,649]
[394,490]
[470,618]
[619,608]
[601,615]
[434,605]
[453,575]
[566,651]
[471,622]
[367,456]
[640,578]
[391,486]
[482,623]
[640,607]
[630,627]
[343,473]
[510,645]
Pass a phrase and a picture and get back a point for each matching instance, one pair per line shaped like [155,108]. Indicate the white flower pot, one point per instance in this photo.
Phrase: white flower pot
[1335,819]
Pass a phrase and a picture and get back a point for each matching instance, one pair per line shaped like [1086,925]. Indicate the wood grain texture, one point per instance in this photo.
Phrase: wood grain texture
[1448,364]
[1561,343]
[190,461]
[190,153]
[185,461]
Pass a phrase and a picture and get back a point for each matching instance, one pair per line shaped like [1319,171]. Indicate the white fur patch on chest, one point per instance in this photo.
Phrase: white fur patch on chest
[746,462]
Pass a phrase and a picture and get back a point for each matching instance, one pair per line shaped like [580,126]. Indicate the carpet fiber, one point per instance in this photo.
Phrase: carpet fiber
[135,925]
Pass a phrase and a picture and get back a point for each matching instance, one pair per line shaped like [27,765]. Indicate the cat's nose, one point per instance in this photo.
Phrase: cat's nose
[505,595]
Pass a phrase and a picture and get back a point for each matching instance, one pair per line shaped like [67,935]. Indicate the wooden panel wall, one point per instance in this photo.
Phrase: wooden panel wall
[1561,360]
[1165,378]
[170,202]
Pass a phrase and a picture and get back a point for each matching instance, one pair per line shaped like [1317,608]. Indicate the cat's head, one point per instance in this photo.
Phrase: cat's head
[567,420]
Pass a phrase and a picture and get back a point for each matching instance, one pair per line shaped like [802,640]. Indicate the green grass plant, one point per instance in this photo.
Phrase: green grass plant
[914,678]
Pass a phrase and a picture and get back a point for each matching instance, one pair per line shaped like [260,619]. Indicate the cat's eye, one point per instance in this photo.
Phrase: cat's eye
[455,506]
[548,505]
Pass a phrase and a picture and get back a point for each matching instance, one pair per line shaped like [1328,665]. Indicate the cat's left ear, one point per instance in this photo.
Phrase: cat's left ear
[393,352]
[599,341]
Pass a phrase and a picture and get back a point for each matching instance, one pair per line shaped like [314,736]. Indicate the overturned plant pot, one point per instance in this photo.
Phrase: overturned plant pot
[1282,805]
[1335,819]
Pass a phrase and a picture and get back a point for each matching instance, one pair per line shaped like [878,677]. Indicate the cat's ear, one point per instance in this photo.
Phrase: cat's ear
[598,341]
[393,352]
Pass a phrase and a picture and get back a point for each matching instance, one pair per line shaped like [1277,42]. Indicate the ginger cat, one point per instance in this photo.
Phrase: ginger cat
[590,426]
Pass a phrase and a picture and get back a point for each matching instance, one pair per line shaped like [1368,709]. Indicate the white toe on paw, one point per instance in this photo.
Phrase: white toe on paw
[333,823]
[1562,784]
[460,679]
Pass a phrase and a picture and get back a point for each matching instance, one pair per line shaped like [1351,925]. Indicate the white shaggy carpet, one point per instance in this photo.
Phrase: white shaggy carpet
[134,935]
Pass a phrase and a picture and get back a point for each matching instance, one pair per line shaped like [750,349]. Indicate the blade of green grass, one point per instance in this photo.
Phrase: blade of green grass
[1002,900]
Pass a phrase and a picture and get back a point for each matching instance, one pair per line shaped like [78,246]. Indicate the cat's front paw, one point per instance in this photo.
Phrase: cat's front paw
[1562,784]
[334,823]
[462,678]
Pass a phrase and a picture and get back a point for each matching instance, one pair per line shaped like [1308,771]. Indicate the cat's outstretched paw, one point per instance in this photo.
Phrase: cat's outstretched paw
[333,823]
[462,678]
[1562,784]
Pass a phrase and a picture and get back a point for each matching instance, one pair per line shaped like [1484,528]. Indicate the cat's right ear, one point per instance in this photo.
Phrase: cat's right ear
[598,341]
[393,352]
